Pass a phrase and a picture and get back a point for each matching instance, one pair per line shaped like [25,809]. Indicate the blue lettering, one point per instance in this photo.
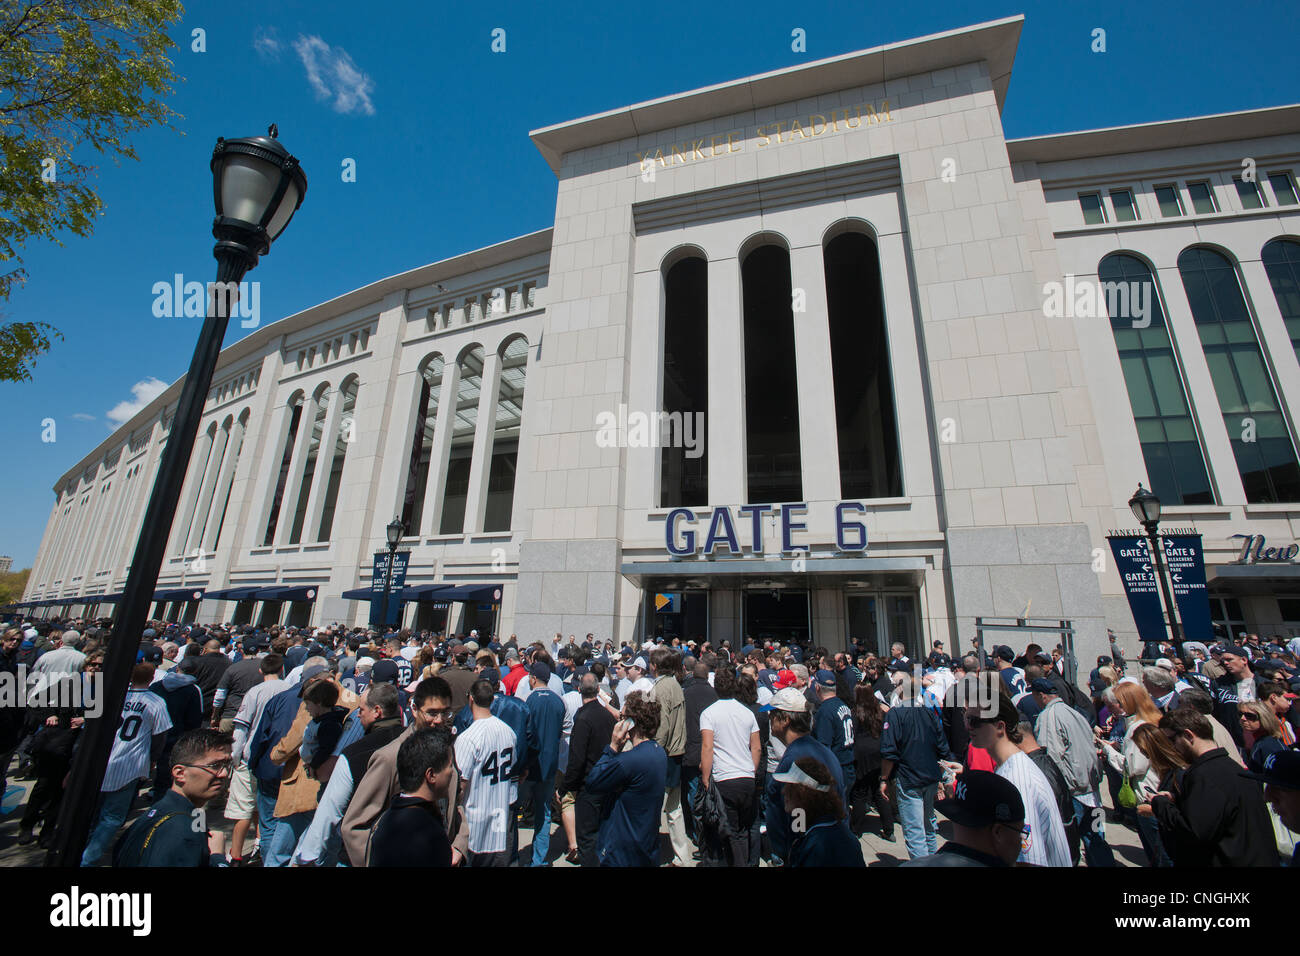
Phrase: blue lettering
[687,535]
[756,512]
[843,525]
[721,529]
[788,526]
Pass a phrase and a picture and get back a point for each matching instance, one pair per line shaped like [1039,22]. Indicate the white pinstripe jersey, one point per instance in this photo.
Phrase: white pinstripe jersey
[486,752]
[143,715]
[1043,842]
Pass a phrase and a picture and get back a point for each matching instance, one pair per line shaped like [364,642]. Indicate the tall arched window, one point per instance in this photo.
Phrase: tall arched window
[1261,440]
[426,416]
[456,492]
[1171,447]
[684,471]
[286,459]
[505,435]
[199,465]
[864,393]
[321,400]
[237,439]
[1282,263]
[774,466]
[346,433]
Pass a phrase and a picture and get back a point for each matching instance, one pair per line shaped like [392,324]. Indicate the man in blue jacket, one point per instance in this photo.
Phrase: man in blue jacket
[833,726]
[791,723]
[630,785]
[911,747]
[545,724]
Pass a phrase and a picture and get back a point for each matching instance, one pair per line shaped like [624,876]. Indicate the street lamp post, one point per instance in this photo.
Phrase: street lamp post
[1146,508]
[394,532]
[257,187]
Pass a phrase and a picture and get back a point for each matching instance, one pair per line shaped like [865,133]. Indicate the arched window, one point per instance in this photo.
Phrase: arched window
[456,492]
[237,438]
[321,400]
[1261,440]
[683,468]
[286,458]
[865,422]
[426,416]
[346,433]
[774,466]
[505,436]
[1282,263]
[200,464]
[1170,445]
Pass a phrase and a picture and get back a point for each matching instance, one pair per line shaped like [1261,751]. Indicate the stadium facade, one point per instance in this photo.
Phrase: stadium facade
[817,353]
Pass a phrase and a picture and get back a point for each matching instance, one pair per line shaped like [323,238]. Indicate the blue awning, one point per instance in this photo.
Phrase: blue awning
[288,592]
[232,594]
[471,593]
[178,594]
[358,594]
[423,592]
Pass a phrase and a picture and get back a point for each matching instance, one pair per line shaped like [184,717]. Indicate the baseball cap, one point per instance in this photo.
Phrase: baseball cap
[1166,663]
[541,671]
[471,645]
[981,799]
[512,655]
[1234,650]
[1042,685]
[796,775]
[384,672]
[784,678]
[1005,653]
[790,700]
[825,678]
[1104,661]
[1281,769]
[308,675]
[641,663]
[151,653]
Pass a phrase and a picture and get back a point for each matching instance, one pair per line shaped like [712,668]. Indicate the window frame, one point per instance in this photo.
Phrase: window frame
[1238,183]
[1101,208]
[1209,188]
[1290,178]
[1132,204]
[1178,198]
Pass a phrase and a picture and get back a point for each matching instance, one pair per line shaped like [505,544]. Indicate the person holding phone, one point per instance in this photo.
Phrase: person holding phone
[630,783]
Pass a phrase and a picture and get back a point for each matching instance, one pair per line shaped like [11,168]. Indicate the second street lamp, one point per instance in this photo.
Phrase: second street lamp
[394,533]
[257,187]
[1145,506]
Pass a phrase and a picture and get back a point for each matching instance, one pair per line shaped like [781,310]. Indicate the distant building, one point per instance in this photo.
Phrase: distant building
[6,563]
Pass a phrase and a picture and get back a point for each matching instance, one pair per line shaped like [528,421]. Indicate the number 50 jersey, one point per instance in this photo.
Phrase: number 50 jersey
[485,757]
[144,714]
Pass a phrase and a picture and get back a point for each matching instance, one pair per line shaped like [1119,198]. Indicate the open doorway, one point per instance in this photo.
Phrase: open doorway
[779,615]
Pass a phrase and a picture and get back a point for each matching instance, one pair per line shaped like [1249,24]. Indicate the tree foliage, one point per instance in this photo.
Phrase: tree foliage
[79,75]
[12,585]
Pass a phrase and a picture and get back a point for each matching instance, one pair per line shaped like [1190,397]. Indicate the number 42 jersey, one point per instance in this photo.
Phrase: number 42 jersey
[144,714]
[485,757]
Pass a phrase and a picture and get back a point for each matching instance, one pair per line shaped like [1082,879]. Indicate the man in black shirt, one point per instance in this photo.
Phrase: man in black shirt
[208,669]
[697,694]
[174,830]
[987,814]
[412,832]
[237,681]
[593,727]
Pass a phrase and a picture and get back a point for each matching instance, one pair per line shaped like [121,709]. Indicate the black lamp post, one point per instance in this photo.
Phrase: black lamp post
[394,532]
[1146,508]
[257,187]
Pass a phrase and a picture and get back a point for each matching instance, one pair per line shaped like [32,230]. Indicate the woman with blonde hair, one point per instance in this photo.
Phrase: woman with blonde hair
[1130,700]
[1261,731]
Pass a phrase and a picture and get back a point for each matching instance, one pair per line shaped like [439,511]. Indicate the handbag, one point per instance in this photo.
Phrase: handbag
[1127,796]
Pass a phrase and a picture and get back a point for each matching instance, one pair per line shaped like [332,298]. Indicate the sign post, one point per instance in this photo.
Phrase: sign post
[378,584]
[1137,569]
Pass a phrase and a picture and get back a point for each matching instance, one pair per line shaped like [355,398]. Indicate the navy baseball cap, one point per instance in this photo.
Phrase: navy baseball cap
[981,799]
[825,679]
[1042,685]
[384,672]
[308,675]
[541,671]
[1281,769]
[1005,653]
[151,653]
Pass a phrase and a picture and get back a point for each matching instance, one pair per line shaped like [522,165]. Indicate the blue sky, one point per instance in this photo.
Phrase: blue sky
[437,124]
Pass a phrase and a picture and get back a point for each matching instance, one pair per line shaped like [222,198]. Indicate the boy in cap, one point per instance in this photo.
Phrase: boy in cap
[988,818]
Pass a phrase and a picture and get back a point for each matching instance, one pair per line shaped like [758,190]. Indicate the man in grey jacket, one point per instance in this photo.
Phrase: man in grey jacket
[1068,739]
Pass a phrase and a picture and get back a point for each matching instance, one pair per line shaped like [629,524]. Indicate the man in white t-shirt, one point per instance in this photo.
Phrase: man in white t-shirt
[139,740]
[636,673]
[1042,841]
[486,753]
[730,752]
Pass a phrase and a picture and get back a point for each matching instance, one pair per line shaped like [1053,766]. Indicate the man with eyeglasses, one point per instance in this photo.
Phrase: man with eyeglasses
[430,707]
[174,832]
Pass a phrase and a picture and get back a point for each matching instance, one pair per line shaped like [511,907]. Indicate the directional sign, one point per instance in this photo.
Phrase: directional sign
[378,577]
[1185,558]
[1133,561]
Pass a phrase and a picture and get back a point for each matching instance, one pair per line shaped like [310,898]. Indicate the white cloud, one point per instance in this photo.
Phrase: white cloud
[334,76]
[82,417]
[142,393]
[266,43]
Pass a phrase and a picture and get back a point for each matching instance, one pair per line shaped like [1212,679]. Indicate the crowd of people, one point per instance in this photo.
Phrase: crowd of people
[342,746]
